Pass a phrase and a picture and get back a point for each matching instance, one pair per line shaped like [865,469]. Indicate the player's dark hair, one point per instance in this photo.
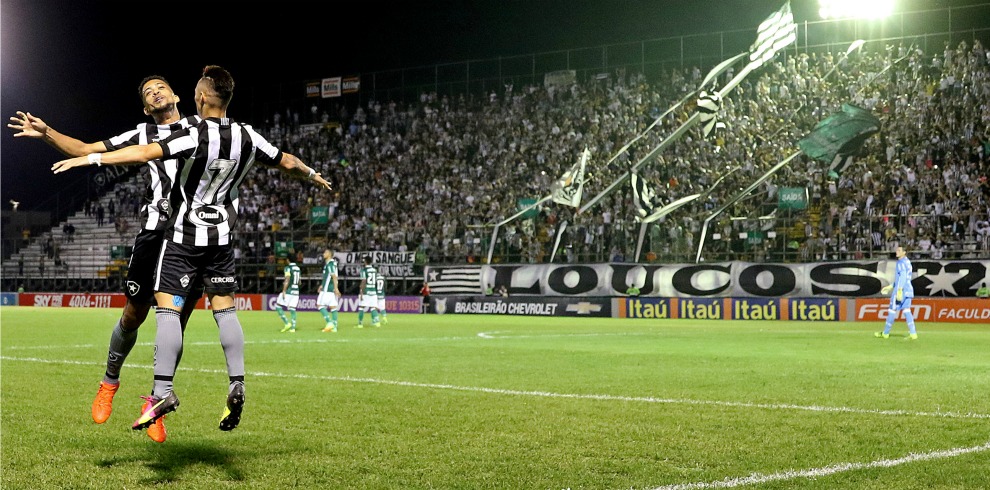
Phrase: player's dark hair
[223,83]
[366,259]
[148,79]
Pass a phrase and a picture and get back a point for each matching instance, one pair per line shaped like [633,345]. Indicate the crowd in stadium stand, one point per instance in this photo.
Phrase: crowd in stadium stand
[428,174]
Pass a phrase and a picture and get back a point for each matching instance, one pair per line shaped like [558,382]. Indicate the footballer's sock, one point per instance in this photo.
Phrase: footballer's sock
[281,314]
[121,343]
[360,316]
[374,316]
[232,341]
[333,314]
[168,349]
[293,313]
[891,316]
[326,316]
[910,321]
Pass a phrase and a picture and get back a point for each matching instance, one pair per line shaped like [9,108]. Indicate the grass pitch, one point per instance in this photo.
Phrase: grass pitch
[475,402]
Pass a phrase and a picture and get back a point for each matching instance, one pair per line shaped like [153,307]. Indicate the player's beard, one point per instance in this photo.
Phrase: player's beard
[159,113]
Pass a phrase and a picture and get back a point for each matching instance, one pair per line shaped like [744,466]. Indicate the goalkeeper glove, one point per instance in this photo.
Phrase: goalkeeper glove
[900,295]
[886,290]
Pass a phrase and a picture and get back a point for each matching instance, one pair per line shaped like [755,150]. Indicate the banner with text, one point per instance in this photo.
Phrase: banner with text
[932,278]
[532,306]
[72,300]
[349,304]
[330,87]
[389,264]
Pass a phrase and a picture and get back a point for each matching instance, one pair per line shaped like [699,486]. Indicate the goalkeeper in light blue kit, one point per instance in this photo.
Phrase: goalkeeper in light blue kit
[901,292]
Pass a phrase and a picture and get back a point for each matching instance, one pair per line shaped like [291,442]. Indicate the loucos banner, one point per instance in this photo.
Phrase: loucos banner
[729,279]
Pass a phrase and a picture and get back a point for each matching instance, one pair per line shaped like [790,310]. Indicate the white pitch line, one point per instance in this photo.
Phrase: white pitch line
[758,478]
[548,394]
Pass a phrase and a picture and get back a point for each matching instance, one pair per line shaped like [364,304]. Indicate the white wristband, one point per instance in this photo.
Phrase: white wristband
[95,158]
[312,173]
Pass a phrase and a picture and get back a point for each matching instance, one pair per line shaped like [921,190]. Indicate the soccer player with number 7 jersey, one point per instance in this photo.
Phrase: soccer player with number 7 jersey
[214,156]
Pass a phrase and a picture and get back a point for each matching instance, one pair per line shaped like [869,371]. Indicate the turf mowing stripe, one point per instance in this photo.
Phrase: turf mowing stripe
[757,478]
[482,335]
[547,394]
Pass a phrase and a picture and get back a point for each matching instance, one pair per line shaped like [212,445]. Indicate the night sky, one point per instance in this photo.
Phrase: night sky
[77,63]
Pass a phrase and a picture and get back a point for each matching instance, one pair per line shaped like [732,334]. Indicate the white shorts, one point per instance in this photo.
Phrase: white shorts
[369,301]
[287,301]
[328,300]
[381,303]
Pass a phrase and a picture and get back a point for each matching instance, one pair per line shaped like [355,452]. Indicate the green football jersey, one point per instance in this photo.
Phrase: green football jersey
[380,285]
[329,271]
[293,274]
[370,275]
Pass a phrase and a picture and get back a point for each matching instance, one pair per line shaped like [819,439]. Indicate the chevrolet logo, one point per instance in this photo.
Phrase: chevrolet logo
[584,308]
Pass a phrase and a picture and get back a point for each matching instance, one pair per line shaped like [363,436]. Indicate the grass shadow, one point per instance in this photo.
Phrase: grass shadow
[170,460]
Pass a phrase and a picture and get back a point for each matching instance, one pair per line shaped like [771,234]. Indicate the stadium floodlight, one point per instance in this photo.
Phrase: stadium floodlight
[855,9]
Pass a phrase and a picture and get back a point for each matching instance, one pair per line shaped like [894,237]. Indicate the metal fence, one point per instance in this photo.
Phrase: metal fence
[928,29]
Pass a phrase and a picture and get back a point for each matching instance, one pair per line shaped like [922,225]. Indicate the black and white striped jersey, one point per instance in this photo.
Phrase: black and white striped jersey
[214,157]
[156,209]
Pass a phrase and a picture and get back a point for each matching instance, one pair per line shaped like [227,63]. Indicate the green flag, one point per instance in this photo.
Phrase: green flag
[527,202]
[318,215]
[835,139]
[792,198]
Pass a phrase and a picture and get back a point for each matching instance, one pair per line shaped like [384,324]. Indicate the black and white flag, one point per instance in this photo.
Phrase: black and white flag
[454,280]
[774,33]
[568,188]
[643,195]
[708,106]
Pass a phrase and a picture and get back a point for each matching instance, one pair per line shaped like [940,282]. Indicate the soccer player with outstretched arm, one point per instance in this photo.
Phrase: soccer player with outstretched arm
[159,101]
[214,156]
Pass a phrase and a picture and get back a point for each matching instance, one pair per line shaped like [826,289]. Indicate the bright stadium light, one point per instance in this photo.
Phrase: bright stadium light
[855,9]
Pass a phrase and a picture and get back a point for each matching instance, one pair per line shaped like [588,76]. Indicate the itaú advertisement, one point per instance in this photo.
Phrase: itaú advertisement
[799,309]
[952,310]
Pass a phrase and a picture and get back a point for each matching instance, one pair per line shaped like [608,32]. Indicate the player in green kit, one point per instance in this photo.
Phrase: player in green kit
[329,294]
[368,293]
[380,289]
[289,298]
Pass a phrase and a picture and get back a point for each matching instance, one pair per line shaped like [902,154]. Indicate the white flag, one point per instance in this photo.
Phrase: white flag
[774,33]
[567,189]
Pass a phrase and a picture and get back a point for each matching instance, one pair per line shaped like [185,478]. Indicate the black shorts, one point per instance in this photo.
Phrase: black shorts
[181,268]
[142,268]
[140,284]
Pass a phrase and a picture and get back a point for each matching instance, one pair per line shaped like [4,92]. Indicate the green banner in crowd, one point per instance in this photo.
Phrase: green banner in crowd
[318,215]
[282,249]
[792,198]
[525,202]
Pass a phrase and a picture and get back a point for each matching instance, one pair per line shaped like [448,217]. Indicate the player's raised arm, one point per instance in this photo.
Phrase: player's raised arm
[31,126]
[293,166]
[132,155]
